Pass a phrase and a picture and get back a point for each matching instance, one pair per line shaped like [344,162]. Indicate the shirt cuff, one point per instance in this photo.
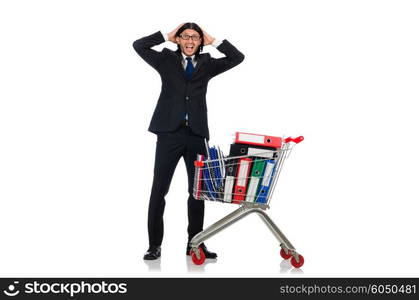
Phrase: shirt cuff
[216,43]
[165,35]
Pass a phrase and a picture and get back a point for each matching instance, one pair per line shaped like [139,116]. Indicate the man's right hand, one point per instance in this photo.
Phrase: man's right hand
[171,36]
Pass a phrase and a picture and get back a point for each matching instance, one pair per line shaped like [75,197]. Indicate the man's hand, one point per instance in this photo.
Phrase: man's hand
[208,40]
[172,35]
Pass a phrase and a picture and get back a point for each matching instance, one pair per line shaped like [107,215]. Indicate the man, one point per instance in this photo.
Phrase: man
[180,117]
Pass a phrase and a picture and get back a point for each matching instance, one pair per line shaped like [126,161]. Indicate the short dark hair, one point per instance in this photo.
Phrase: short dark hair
[195,27]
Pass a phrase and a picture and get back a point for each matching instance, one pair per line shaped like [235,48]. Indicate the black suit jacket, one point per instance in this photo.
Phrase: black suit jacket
[179,95]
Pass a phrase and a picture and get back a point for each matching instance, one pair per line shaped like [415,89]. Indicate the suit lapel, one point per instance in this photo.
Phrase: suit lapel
[178,63]
[198,64]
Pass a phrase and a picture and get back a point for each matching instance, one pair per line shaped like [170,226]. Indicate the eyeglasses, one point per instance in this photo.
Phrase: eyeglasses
[187,37]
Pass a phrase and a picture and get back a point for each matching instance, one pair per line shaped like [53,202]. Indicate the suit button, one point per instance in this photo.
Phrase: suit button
[187,98]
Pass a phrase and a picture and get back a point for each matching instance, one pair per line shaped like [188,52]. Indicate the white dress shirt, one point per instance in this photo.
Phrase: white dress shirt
[185,62]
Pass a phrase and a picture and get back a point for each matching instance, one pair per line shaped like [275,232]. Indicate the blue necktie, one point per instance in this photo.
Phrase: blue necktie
[188,72]
[189,68]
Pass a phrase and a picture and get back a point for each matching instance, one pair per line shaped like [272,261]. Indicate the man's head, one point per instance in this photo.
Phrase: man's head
[190,39]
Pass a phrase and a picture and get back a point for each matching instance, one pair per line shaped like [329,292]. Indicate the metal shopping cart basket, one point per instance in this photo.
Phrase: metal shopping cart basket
[247,180]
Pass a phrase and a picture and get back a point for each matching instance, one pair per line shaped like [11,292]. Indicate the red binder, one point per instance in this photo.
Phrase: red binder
[258,139]
[243,171]
[198,176]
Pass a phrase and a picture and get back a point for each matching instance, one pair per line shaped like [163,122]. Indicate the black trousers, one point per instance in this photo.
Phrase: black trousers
[170,148]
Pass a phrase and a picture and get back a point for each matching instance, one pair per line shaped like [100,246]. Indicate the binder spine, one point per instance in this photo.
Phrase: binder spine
[266,182]
[251,193]
[198,177]
[257,139]
[257,171]
[230,172]
[228,188]
[242,176]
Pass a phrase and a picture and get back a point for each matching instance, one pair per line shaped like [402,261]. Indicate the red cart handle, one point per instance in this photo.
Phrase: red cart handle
[295,140]
[198,163]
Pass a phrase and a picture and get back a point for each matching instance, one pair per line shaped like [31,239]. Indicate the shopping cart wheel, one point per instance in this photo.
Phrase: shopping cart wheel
[296,264]
[195,259]
[284,254]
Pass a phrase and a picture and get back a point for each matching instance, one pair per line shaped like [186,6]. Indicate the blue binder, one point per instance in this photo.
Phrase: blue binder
[209,189]
[262,195]
[213,173]
[216,168]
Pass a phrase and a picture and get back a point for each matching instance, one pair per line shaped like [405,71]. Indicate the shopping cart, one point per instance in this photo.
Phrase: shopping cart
[252,186]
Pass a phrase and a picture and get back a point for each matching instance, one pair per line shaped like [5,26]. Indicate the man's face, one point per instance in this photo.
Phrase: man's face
[189,41]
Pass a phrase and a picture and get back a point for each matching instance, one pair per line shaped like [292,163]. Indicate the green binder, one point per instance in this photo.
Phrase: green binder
[258,166]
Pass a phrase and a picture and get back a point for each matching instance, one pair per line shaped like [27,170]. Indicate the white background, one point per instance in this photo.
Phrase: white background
[76,158]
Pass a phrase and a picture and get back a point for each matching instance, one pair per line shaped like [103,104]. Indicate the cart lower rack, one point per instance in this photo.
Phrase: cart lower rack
[248,180]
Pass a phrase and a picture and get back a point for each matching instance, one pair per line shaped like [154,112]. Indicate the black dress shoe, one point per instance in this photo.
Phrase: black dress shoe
[154,252]
[208,254]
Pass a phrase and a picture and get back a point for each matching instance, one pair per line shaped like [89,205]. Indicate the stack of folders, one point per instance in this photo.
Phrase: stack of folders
[245,175]
[249,178]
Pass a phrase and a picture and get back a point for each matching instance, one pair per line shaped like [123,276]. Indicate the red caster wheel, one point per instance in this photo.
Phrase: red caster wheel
[195,259]
[284,254]
[296,264]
